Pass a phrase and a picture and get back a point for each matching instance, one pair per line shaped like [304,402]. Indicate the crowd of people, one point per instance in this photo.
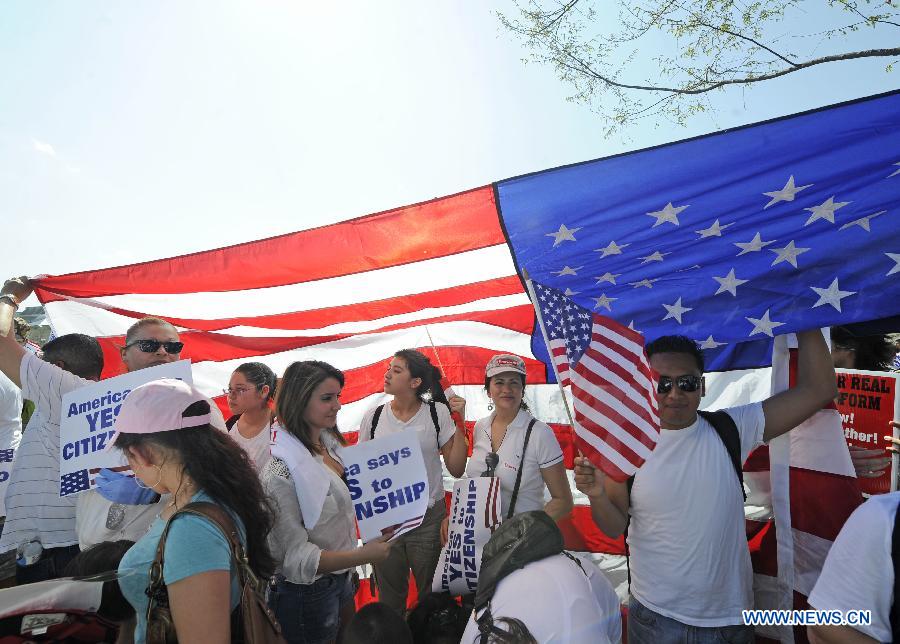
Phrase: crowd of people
[276,468]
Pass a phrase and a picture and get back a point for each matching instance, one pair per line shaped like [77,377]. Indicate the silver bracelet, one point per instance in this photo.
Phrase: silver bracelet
[12,299]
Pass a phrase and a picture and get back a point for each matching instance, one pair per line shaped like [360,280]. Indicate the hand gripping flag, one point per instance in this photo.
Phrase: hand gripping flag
[616,414]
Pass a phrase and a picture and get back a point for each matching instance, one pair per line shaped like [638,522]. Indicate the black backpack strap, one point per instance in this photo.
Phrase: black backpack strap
[723,423]
[432,407]
[515,494]
[576,560]
[895,558]
[375,418]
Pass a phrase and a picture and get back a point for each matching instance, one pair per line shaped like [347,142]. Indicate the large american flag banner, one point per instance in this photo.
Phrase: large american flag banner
[616,413]
[731,238]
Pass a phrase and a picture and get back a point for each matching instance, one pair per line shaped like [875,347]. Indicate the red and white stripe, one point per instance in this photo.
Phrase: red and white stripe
[616,413]
[350,294]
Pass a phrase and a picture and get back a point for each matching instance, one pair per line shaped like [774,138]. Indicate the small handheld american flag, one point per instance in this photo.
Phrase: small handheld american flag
[616,414]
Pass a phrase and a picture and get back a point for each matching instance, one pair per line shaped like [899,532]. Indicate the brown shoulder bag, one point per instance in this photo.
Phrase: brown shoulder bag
[252,622]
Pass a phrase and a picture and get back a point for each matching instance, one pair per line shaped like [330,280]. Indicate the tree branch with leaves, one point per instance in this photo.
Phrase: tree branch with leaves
[699,48]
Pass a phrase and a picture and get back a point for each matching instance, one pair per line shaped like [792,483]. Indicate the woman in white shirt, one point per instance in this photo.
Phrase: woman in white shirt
[529,456]
[314,538]
[250,389]
[419,402]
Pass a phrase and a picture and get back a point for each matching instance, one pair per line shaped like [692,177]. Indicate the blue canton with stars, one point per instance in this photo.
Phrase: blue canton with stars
[730,238]
[74,482]
[564,320]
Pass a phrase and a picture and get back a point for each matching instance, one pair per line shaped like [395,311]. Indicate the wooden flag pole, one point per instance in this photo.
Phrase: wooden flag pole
[537,312]
[460,422]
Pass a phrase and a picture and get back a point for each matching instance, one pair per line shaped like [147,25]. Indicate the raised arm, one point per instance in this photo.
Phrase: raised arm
[10,351]
[816,386]
[456,450]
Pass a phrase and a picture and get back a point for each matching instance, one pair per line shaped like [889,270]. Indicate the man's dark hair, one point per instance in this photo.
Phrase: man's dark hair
[101,558]
[437,619]
[376,623]
[80,354]
[676,344]
[873,352]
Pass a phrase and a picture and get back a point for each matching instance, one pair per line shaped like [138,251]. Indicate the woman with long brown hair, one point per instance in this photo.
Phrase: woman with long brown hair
[314,539]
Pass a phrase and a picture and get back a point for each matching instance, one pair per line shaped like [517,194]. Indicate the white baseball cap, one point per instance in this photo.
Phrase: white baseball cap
[505,362]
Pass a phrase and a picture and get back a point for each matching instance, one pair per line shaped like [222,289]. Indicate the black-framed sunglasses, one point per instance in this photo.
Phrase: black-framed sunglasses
[686,383]
[152,346]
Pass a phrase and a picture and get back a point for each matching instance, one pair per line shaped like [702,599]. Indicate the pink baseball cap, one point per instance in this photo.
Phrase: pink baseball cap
[505,362]
[158,406]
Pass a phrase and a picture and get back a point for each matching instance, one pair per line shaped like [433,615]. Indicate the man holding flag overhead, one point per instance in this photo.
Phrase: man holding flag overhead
[690,569]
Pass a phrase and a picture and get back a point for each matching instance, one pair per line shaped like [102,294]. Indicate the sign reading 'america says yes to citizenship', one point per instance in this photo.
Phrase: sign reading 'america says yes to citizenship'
[87,424]
[388,484]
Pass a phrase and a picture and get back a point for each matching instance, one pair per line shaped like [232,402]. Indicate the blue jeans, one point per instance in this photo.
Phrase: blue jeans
[310,613]
[649,627]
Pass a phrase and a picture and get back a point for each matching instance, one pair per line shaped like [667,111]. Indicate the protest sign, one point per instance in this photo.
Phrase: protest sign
[474,515]
[6,462]
[87,419]
[867,402]
[388,484]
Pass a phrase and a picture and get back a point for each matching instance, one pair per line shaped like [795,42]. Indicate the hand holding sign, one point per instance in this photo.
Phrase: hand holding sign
[376,550]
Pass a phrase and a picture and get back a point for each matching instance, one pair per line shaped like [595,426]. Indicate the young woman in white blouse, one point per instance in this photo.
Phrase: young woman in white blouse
[314,538]
[419,402]
[250,390]
[529,458]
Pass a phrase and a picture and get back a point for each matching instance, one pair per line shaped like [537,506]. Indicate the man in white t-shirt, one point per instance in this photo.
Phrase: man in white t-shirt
[559,600]
[690,566]
[39,522]
[859,575]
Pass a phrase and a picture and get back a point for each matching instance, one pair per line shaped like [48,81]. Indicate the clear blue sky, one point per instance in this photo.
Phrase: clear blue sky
[140,130]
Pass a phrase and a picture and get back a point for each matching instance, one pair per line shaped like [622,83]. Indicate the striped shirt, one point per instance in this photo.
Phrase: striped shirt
[34,509]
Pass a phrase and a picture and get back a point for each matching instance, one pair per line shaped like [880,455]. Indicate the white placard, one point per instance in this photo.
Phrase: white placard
[87,419]
[474,515]
[388,484]
[6,463]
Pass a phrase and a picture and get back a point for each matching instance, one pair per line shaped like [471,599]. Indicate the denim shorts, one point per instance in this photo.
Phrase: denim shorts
[310,613]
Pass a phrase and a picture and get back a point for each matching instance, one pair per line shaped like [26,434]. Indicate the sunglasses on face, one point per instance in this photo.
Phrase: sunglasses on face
[152,346]
[687,383]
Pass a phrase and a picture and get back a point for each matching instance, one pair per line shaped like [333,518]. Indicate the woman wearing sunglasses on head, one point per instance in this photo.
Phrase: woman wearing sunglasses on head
[314,538]
[526,455]
[251,388]
[419,402]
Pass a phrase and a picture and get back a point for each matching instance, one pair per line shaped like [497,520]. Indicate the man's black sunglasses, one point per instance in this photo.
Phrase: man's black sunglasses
[685,383]
[152,346]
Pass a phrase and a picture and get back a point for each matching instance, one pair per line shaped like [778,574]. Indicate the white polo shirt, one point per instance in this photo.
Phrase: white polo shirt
[543,451]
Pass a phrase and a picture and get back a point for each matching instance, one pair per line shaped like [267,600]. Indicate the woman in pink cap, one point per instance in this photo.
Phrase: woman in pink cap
[176,446]
[523,451]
